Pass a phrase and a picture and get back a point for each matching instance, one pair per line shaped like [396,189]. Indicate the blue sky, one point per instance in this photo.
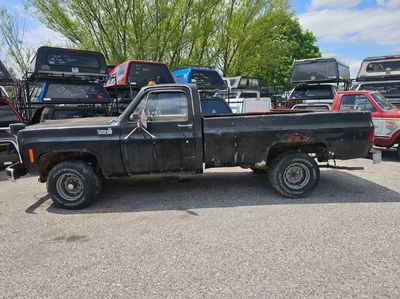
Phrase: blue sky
[352,29]
[346,29]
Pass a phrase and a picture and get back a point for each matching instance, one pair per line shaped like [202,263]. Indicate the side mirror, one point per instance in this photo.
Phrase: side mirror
[142,120]
[15,128]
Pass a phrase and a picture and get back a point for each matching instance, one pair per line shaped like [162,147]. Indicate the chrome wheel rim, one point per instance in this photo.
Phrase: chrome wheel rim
[70,186]
[296,176]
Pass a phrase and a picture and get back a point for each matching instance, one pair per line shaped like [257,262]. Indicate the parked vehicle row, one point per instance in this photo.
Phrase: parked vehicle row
[167,127]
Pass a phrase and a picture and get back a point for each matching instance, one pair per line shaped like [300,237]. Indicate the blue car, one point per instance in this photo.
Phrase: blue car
[206,79]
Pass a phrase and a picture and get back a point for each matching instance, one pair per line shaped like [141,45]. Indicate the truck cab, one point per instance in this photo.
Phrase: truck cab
[385,115]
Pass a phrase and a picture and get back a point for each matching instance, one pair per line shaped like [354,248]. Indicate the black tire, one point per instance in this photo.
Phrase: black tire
[73,184]
[294,174]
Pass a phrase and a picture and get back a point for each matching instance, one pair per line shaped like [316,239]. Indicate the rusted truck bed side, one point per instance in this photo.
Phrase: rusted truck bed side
[248,139]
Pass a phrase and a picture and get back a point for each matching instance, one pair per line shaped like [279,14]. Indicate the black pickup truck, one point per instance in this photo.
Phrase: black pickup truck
[162,131]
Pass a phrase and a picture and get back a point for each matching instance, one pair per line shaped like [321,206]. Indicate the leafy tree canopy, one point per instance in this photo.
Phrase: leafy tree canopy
[240,37]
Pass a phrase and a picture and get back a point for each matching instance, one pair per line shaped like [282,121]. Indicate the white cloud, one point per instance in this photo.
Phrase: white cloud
[393,4]
[379,26]
[316,4]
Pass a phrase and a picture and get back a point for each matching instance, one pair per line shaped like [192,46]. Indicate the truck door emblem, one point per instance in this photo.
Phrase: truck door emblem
[104,131]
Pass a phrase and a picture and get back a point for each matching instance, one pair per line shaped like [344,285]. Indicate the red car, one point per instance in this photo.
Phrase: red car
[386,116]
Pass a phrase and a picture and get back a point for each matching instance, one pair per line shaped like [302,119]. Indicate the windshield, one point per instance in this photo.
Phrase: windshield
[382,101]
[207,79]
[318,92]
[141,74]
[388,89]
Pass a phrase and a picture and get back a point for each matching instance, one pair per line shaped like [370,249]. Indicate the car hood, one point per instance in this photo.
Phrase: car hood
[394,113]
[74,122]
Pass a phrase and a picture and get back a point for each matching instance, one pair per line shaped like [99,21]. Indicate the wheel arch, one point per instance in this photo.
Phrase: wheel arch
[318,148]
[48,160]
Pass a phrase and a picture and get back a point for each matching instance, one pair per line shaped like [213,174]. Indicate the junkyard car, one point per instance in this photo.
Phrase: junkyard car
[162,131]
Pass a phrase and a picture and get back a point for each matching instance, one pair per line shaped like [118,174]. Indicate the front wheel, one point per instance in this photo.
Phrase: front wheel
[294,174]
[73,184]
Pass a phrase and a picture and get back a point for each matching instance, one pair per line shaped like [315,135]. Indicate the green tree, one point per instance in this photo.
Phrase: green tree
[249,37]
[12,31]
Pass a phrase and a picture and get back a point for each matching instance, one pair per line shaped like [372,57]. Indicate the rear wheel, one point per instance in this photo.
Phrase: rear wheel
[294,174]
[73,184]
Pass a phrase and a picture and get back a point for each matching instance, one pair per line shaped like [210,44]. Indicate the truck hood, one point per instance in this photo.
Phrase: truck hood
[394,113]
[73,123]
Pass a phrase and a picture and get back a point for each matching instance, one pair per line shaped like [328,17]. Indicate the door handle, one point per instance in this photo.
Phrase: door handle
[189,126]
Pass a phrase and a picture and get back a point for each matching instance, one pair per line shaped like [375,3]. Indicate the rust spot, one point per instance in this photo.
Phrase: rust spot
[295,138]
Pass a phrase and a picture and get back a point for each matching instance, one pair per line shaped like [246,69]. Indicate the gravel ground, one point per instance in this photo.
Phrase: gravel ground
[223,234]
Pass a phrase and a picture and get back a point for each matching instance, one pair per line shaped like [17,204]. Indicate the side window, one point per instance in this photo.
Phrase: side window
[356,103]
[163,106]
[120,72]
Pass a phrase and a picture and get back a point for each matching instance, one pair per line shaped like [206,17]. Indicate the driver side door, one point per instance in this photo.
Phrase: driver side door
[165,140]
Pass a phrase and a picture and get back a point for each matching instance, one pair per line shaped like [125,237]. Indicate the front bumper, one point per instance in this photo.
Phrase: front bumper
[375,155]
[16,171]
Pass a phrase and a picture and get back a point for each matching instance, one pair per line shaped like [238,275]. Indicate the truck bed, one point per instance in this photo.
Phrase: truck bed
[239,140]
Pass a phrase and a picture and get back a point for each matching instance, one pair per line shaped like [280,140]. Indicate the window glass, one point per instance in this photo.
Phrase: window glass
[141,73]
[383,66]
[90,92]
[214,106]
[7,116]
[314,92]
[179,79]
[163,106]
[249,82]
[382,101]
[73,59]
[314,71]
[388,89]
[248,95]
[356,103]
[120,73]
[207,79]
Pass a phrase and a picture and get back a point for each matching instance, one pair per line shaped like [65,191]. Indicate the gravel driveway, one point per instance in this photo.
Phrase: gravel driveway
[223,234]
